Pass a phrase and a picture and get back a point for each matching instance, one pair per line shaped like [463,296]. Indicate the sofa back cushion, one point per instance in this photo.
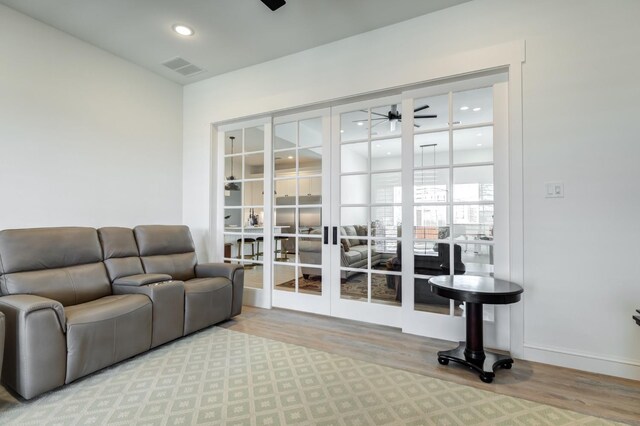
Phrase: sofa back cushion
[350,231]
[166,249]
[64,264]
[120,251]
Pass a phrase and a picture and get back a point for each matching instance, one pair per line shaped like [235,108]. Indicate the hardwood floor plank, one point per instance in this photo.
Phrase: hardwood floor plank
[588,393]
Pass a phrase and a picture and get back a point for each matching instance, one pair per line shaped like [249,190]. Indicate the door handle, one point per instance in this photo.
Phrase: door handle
[326,235]
[335,235]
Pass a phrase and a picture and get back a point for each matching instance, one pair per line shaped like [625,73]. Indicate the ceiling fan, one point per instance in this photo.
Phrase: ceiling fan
[274,4]
[394,116]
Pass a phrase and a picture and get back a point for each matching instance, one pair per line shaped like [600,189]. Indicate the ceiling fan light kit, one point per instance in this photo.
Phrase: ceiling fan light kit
[274,4]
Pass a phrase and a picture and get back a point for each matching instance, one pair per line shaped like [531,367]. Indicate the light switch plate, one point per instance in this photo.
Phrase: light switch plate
[554,190]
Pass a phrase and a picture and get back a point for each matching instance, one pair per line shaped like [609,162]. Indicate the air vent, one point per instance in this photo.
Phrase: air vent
[182,66]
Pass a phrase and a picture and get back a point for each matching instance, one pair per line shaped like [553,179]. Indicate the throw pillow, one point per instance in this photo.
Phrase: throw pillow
[345,245]
[350,231]
[361,231]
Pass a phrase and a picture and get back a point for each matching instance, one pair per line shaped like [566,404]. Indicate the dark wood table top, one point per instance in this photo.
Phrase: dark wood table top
[476,289]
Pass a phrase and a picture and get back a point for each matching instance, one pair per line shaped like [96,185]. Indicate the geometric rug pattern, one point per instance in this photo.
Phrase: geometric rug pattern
[223,377]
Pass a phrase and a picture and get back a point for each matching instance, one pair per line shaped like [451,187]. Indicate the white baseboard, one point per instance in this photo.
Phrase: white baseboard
[626,368]
[256,297]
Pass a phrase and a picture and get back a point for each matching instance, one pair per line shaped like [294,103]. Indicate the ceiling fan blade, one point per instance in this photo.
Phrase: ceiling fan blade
[377,113]
[421,108]
[416,125]
[377,124]
[426,116]
[274,4]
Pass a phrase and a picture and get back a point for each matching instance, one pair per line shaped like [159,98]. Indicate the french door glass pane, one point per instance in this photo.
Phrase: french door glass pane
[254,166]
[386,221]
[310,190]
[354,216]
[431,186]
[233,168]
[285,136]
[386,154]
[386,289]
[471,184]
[354,157]
[386,188]
[473,222]
[284,163]
[285,220]
[431,149]
[354,189]
[385,120]
[233,146]
[310,218]
[311,132]
[309,280]
[284,277]
[354,125]
[473,106]
[254,193]
[310,161]
[285,192]
[473,145]
[254,139]
[232,195]
[477,258]
[439,106]
[430,216]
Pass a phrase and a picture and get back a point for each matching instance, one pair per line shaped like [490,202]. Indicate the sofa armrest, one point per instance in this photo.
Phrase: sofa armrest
[142,279]
[211,270]
[21,305]
[310,246]
[234,273]
[35,356]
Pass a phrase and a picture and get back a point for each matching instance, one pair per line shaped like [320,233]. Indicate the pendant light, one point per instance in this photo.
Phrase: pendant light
[231,186]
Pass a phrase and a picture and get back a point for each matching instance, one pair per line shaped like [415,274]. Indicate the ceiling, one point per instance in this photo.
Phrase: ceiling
[229,35]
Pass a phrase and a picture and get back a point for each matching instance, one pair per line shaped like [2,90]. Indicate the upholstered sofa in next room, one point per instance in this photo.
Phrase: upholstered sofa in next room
[77,300]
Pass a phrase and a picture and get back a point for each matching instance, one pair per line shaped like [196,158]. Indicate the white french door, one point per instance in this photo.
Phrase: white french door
[301,180]
[349,211]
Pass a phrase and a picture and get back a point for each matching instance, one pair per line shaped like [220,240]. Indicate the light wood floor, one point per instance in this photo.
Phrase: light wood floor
[592,394]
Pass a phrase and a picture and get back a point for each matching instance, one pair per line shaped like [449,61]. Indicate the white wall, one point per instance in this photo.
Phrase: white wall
[86,138]
[580,95]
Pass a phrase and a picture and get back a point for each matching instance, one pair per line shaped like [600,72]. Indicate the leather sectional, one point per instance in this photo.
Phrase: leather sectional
[79,299]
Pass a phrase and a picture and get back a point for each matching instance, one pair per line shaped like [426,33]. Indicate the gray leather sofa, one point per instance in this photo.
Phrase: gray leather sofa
[354,251]
[79,299]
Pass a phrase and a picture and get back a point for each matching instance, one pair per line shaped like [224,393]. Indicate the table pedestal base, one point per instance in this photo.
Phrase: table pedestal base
[484,363]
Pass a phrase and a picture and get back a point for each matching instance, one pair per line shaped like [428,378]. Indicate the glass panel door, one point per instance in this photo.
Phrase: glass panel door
[454,143]
[244,201]
[300,212]
[367,209]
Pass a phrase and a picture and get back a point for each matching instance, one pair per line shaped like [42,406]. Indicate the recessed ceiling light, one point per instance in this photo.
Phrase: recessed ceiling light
[341,131]
[388,153]
[464,108]
[290,157]
[478,134]
[479,144]
[377,145]
[476,109]
[360,123]
[183,30]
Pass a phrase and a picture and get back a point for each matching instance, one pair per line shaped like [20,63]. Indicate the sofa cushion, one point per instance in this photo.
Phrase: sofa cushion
[361,231]
[352,256]
[120,250]
[207,301]
[69,286]
[47,248]
[105,331]
[166,249]
[350,231]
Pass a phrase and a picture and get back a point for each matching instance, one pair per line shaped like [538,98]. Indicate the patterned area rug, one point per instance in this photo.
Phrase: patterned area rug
[219,376]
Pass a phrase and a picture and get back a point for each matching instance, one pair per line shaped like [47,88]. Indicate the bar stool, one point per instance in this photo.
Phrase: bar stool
[259,240]
[251,241]
[281,250]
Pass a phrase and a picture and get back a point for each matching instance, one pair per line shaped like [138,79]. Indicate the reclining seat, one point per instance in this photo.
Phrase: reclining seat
[62,320]
[127,276]
[212,291]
